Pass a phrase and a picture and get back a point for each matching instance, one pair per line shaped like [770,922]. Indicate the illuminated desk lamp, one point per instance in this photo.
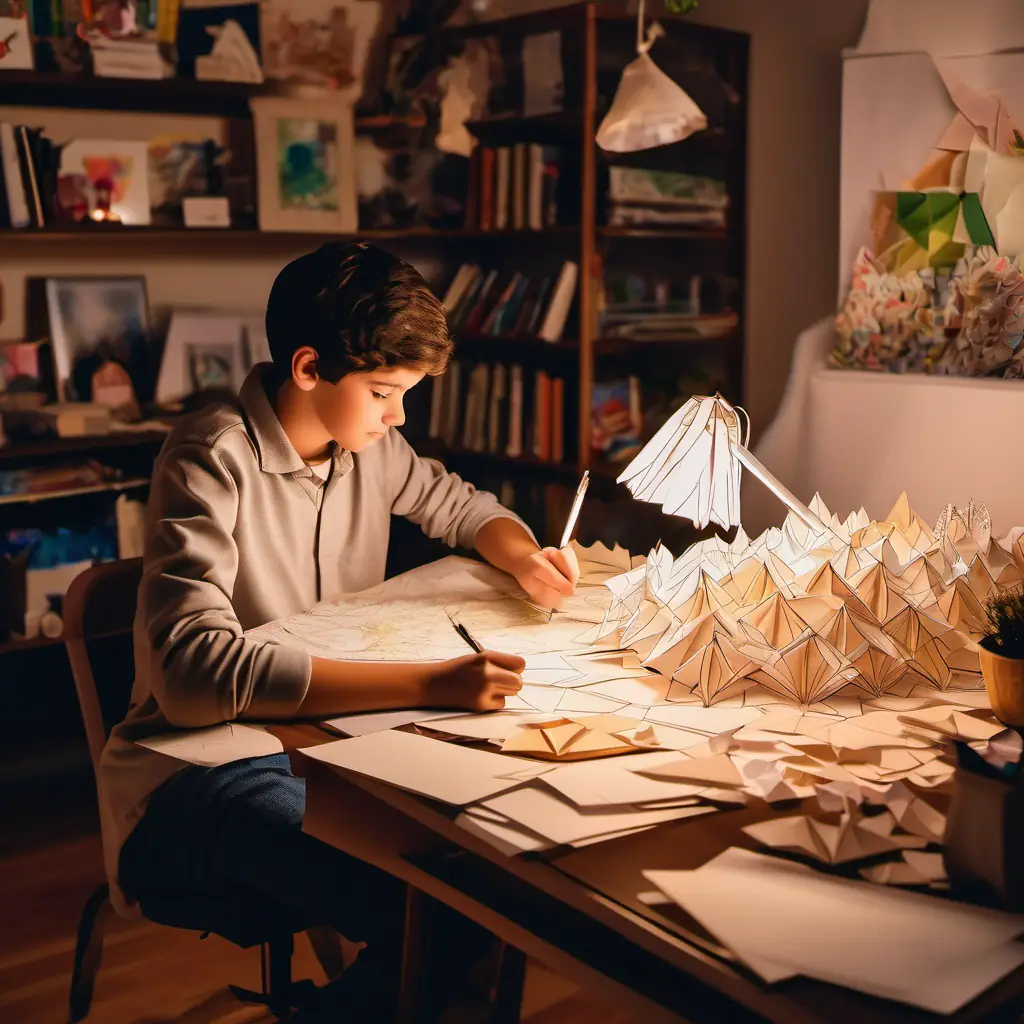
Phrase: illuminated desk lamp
[691,467]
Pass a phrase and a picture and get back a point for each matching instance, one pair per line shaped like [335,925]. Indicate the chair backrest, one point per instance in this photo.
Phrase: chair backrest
[99,609]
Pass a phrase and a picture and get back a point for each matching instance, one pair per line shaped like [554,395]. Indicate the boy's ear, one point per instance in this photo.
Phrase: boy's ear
[304,368]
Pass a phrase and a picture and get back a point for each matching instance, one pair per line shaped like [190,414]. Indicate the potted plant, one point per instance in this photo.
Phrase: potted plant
[1002,655]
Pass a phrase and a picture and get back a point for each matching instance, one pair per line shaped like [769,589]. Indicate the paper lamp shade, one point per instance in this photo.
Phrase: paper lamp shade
[649,110]
[688,467]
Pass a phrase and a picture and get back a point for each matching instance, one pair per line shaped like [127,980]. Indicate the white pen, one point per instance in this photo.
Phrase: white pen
[574,514]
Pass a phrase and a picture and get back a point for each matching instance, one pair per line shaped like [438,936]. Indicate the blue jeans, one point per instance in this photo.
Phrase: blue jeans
[236,831]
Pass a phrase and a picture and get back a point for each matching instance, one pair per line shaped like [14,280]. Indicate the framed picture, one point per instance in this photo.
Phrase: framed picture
[215,367]
[305,154]
[15,44]
[26,374]
[326,43]
[116,167]
[209,348]
[93,321]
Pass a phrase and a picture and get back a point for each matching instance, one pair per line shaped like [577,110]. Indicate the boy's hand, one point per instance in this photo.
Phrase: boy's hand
[549,575]
[476,682]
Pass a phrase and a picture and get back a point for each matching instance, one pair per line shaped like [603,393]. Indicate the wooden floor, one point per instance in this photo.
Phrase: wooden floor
[50,861]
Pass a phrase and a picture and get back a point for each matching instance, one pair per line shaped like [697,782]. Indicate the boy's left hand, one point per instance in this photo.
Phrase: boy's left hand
[549,576]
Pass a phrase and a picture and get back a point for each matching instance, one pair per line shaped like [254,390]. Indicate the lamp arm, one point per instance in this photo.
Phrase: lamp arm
[783,493]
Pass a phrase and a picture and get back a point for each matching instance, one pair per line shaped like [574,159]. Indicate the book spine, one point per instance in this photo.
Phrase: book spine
[542,416]
[535,187]
[17,202]
[167,21]
[558,419]
[515,414]
[27,158]
[501,188]
[487,189]
[520,186]
[561,301]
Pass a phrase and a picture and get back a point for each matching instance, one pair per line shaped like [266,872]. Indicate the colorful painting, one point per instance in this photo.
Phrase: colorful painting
[307,164]
[124,165]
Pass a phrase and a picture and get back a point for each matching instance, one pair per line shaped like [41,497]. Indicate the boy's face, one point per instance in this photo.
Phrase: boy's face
[360,408]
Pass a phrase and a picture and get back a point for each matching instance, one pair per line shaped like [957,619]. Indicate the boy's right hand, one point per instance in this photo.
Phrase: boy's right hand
[477,682]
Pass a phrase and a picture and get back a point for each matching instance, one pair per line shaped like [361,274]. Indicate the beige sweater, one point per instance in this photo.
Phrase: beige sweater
[241,532]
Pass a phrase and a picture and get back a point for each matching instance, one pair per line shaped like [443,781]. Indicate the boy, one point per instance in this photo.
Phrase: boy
[258,514]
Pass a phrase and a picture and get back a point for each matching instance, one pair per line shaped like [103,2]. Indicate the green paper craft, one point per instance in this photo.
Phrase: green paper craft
[920,213]
[975,221]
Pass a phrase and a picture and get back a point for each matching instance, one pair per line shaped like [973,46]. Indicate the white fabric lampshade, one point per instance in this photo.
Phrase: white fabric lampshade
[649,109]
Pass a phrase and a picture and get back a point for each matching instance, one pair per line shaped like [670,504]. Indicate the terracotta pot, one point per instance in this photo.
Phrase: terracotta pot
[1004,683]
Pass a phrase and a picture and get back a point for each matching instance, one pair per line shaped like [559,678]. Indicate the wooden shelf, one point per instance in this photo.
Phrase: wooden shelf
[632,347]
[243,241]
[111,486]
[486,348]
[553,129]
[700,234]
[166,95]
[31,644]
[69,445]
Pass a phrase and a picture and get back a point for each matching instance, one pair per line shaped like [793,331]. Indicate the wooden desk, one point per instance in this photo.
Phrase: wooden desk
[578,912]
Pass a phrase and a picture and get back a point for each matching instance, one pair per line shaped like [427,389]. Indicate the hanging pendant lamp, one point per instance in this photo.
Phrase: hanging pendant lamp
[649,109]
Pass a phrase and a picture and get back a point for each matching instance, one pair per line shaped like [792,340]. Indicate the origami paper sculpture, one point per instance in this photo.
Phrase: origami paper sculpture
[807,671]
[854,838]
[563,739]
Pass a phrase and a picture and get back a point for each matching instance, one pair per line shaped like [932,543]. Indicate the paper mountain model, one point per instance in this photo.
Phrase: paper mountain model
[880,606]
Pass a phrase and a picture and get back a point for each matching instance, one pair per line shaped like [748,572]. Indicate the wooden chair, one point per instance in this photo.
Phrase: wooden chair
[98,612]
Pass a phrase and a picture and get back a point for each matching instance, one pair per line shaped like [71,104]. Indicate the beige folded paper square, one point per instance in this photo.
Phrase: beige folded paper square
[564,739]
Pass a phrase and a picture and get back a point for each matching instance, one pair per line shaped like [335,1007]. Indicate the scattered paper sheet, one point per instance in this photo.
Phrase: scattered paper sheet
[378,721]
[220,744]
[546,813]
[443,771]
[928,952]
[718,771]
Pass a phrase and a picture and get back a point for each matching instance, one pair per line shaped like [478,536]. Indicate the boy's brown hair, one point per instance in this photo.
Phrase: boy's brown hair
[360,308]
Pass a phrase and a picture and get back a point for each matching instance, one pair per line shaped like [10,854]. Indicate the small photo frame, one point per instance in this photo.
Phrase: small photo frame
[26,374]
[215,367]
[306,170]
[117,167]
[92,321]
[16,44]
[196,350]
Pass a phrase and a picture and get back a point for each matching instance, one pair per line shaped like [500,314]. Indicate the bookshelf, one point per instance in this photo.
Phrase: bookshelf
[597,42]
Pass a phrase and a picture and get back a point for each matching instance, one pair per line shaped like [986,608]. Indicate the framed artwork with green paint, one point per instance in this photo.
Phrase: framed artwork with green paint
[305,164]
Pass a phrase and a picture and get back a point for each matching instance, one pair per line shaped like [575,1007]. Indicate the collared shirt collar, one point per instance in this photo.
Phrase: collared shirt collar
[274,450]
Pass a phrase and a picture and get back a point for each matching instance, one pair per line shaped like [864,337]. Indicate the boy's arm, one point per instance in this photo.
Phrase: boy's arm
[202,670]
[447,507]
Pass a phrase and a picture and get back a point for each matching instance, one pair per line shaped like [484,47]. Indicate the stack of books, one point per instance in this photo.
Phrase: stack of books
[510,303]
[502,410]
[513,188]
[647,198]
